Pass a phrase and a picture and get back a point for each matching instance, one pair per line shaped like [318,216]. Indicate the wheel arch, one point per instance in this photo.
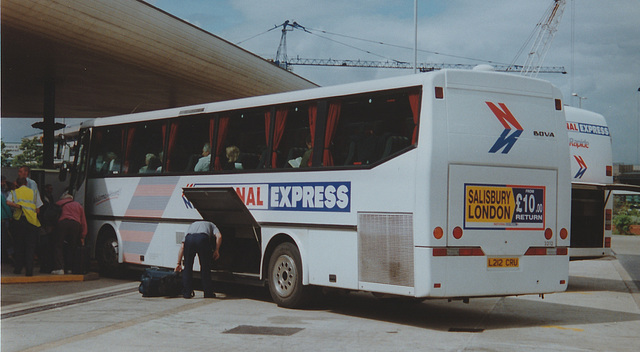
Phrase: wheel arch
[109,229]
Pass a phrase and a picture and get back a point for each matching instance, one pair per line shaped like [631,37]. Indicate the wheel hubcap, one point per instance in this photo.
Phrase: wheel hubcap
[110,253]
[285,275]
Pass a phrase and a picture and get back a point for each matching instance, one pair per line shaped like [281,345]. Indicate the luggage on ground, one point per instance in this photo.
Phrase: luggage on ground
[158,282]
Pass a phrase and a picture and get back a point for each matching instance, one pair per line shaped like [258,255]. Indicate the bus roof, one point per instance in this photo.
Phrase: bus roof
[313,93]
[585,116]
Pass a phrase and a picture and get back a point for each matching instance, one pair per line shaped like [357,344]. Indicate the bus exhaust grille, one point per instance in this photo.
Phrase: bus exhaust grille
[385,248]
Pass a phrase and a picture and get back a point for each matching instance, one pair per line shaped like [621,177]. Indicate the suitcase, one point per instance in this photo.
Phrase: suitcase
[81,260]
[159,282]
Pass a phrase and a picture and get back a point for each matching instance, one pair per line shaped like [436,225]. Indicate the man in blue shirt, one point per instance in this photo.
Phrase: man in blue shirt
[202,237]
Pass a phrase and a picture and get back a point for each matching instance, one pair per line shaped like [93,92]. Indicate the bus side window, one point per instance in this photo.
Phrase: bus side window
[187,139]
[106,150]
[246,132]
[145,142]
[293,134]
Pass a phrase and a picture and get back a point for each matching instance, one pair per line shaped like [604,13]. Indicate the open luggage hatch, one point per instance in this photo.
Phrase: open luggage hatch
[240,250]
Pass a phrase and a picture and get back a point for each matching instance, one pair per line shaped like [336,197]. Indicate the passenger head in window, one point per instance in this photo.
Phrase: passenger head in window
[111,164]
[151,162]
[233,158]
[205,160]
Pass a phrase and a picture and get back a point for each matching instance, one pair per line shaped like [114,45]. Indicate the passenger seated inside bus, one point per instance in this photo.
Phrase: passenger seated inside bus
[205,160]
[111,164]
[233,158]
[160,158]
[302,160]
[151,164]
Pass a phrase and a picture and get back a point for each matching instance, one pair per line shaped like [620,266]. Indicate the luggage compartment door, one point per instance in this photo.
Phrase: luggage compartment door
[241,234]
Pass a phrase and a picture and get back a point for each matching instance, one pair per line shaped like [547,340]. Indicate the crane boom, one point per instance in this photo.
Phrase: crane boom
[423,67]
[547,28]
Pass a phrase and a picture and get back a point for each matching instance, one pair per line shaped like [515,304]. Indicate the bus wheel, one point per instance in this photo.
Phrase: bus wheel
[107,255]
[285,277]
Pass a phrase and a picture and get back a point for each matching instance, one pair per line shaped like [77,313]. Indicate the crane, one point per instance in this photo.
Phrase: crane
[546,30]
[286,63]
[281,55]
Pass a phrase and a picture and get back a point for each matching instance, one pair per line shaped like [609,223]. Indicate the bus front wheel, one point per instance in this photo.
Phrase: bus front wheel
[285,277]
[107,255]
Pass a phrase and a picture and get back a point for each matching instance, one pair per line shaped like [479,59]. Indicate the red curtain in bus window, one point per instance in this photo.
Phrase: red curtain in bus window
[127,154]
[222,135]
[332,123]
[414,101]
[173,135]
[313,115]
[281,121]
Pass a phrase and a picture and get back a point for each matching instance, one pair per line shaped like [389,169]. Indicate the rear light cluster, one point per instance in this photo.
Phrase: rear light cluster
[438,233]
[547,251]
[564,233]
[607,219]
[458,252]
[609,170]
[607,242]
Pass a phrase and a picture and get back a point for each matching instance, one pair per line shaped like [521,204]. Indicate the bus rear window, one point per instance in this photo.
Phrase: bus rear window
[372,127]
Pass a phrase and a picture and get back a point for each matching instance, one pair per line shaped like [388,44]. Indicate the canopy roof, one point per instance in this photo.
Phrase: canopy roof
[103,58]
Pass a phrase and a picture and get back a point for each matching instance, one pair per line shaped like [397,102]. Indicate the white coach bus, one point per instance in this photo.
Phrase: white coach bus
[450,184]
[592,178]
[592,184]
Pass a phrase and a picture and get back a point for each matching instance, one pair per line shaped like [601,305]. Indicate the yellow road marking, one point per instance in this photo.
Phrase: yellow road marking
[562,328]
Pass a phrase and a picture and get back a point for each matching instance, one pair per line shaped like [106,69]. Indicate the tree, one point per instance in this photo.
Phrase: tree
[31,153]
[6,155]
[623,224]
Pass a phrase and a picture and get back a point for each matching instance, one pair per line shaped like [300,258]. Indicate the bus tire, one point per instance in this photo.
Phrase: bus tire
[285,277]
[107,251]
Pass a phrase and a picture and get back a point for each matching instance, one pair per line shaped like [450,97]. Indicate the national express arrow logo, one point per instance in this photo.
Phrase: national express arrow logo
[582,165]
[508,138]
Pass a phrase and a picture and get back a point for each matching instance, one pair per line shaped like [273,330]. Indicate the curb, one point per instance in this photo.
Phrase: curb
[48,278]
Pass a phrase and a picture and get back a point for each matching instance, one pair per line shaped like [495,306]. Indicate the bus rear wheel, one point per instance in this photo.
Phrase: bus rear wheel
[285,277]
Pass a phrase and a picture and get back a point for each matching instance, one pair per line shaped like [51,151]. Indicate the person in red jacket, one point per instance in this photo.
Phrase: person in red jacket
[70,233]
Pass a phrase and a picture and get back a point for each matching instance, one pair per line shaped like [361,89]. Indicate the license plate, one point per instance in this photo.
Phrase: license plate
[503,262]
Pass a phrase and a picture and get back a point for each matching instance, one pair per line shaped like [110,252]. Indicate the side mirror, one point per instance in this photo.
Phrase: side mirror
[62,175]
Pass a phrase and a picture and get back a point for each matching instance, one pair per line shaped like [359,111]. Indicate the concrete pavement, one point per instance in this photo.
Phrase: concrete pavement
[599,312]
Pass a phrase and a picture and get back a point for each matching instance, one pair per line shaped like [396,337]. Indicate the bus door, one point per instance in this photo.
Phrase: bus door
[592,216]
[588,203]
[77,183]
[240,251]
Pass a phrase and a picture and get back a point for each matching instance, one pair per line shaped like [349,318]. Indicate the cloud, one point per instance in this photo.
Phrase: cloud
[605,56]
[606,43]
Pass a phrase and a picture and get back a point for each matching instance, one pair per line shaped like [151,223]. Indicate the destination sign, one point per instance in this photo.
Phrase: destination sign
[504,207]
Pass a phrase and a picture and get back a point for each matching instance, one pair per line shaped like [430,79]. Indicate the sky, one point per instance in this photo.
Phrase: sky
[601,54]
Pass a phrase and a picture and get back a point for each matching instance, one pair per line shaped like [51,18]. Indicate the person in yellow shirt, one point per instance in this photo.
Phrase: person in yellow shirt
[26,204]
